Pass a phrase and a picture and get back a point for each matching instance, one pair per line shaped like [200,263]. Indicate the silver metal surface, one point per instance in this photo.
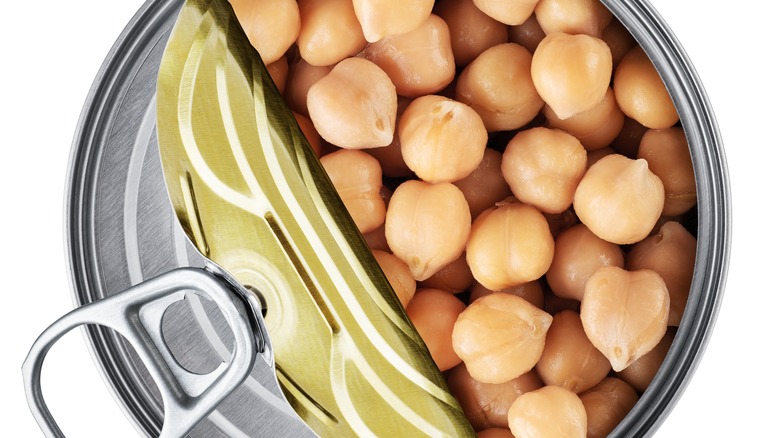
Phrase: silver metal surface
[121,230]
[137,314]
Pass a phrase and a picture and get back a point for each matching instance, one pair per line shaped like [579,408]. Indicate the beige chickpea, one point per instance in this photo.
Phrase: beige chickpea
[508,246]
[398,274]
[619,40]
[487,404]
[500,337]
[606,405]
[311,134]
[498,85]
[578,254]
[619,199]
[433,313]
[531,292]
[455,277]
[569,360]
[640,92]
[594,128]
[358,180]
[330,31]
[528,34]
[278,71]
[571,72]
[640,373]
[381,18]
[672,254]
[549,412]
[427,226]
[272,26]
[543,167]
[624,313]
[354,106]
[301,77]
[589,17]
[511,12]
[596,155]
[667,155]
[485,185]
[390,157]
[442,140]
[420,61]
[471,30]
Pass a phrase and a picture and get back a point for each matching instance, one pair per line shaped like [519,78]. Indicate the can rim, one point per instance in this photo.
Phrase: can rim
[696,116]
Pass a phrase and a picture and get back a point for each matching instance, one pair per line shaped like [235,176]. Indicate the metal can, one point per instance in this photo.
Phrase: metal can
[121,229]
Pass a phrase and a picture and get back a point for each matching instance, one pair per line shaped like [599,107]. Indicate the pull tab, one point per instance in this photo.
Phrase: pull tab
[137,315]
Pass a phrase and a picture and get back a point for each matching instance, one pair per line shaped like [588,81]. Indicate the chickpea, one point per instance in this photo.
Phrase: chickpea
[511,12]
[301,77]
[594,156]
[641,93]
[627,141]
[495,432]
[619,40]
[354,106]
[553,304]
[543,167]
[594,128]
[624,313]
[381,18]
[330,31]
[560,222]
[528,34]
[578,254]
[278,71]
[471,31]
[390,157]
[508,246]
[418,62]
[619,199]
[671,254]
[571,72]
[427,226]
[549,412]
[442,140]
[307,127]
[531,292]
[376,239]
[485,185]
[569,360]
[455,277]
[640,373]
[398,274]
[606,405]
[487,404]
[498,85]
[271,25]
[433,313]
[500,337]
[589,17]
[358,180]
[667,155]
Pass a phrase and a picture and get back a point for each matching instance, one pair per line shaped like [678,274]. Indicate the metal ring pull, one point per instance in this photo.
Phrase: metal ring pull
[137,315]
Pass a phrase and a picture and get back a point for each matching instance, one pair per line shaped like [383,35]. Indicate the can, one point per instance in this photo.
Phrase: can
[120,228]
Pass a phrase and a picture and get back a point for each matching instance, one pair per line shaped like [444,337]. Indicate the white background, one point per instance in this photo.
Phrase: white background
[51,51]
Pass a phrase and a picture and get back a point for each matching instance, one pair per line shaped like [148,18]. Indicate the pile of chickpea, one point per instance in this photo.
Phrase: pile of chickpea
[518,169]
